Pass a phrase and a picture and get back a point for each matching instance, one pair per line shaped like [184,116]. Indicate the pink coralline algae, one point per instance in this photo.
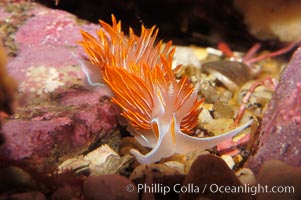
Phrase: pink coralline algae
[47,39]
[280,137]
[45,135]
[291,109]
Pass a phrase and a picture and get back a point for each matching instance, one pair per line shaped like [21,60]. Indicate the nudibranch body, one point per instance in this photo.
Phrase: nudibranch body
[161,111]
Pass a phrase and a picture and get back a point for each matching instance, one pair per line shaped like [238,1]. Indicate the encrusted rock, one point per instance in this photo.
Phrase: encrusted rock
[43,135]
[280,132]
[272,19]
[58,114]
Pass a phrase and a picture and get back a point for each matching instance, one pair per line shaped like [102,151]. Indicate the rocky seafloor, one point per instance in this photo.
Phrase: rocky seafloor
[64,140]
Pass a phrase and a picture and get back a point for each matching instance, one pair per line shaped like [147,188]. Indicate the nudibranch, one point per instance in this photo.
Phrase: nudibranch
[161,111]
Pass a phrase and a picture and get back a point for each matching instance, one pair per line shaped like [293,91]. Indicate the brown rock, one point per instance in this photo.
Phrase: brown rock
[156,181]
[211,172]
[109,187]
[66,192]
[8,87]
[277,175]
[24,196]
[12,178]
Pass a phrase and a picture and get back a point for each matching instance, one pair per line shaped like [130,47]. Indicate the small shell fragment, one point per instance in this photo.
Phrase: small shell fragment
[176,165]
[185,56]
[103,160]
[204,116]
[230,73]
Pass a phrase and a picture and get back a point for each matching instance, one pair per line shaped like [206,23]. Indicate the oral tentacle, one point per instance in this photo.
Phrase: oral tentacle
[165,147]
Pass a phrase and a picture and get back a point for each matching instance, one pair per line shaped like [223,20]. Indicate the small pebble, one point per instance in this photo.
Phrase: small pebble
[142,170]
[109,187]
[238,159]
[246,176]
[176,165]
[229,160]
